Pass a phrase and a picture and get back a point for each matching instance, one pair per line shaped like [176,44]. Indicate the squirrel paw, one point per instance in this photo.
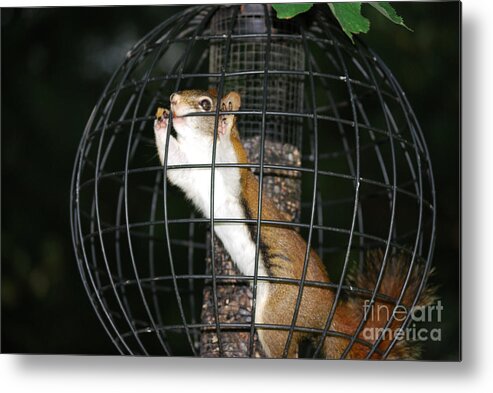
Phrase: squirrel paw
[162,116]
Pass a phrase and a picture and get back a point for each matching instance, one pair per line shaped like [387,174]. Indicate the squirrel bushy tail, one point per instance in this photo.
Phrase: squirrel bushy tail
[349,314]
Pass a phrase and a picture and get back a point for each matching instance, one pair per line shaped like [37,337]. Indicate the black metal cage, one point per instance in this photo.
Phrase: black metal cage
[329,132]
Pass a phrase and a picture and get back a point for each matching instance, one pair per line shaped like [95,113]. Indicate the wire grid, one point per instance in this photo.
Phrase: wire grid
[366,176]
[285,90]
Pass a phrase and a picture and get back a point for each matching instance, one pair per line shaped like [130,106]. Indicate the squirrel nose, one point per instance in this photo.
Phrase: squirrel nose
[174,98]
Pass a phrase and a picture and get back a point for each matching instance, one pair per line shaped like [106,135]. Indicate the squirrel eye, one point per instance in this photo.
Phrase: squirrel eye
[206,104]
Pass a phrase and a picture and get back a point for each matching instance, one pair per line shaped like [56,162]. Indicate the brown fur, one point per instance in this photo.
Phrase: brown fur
[284,254]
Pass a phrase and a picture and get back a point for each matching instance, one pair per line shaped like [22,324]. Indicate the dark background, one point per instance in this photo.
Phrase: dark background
[56,62]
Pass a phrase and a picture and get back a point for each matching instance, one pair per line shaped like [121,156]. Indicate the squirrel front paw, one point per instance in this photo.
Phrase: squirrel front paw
[161,121]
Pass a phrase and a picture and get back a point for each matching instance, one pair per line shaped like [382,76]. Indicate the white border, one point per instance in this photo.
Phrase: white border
[122,374]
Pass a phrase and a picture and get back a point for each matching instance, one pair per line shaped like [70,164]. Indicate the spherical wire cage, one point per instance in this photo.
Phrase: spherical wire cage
[329,133]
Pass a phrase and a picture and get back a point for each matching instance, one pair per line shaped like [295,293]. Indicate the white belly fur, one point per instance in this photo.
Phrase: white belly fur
[235,237]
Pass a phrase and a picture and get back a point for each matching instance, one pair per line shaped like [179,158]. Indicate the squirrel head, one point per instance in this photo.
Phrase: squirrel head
[186,102]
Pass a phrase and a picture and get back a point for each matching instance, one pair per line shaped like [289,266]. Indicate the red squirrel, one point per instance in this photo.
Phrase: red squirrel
[283,250]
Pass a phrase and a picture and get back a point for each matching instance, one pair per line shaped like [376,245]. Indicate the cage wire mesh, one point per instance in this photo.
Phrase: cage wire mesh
[329,133]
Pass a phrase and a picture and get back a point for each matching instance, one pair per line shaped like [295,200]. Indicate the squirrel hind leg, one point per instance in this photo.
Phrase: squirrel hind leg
[274,341]
[334,347]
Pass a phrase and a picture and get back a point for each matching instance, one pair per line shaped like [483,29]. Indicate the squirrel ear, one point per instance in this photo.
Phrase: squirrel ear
[232,101]
[212,91]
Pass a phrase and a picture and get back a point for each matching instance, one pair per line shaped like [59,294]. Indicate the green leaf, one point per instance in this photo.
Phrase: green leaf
[349,17]
[287,11]
[388,11]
